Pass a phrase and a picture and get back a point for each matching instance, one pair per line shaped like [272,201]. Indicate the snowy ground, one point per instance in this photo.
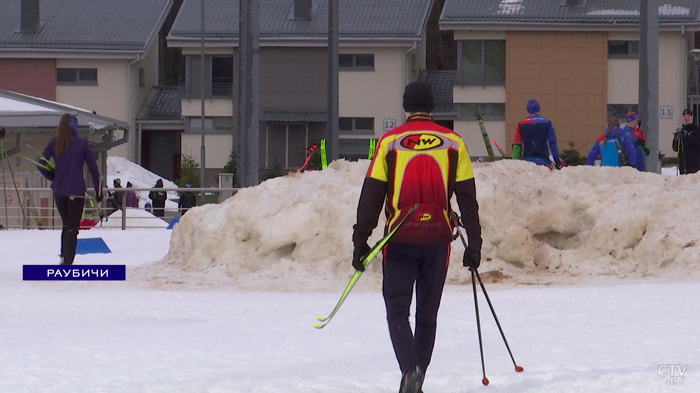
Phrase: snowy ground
[119,337]
[226,301]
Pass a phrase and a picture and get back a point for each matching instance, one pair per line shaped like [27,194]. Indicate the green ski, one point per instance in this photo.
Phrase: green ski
[353,280]
[48,168]
[489,149]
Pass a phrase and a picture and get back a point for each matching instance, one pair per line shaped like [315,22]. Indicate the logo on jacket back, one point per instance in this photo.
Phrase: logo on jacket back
[421,142]
[424,217]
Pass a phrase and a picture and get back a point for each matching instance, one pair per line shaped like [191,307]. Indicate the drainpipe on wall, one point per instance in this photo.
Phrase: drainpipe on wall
[132,141]
[684,71]
[405,63]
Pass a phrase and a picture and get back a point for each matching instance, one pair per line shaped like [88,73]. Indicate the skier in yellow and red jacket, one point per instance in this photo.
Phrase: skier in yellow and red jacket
[420,163]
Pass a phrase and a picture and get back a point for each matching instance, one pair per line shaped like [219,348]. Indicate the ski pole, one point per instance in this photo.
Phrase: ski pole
[488,300]
[4,187]
[551,162]
[484,380]
[12,174]
[500,149]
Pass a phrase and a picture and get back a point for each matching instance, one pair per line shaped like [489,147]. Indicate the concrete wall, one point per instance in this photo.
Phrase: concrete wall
[293,78]
[623,86]
[375,93]
[218,148]
[469,129]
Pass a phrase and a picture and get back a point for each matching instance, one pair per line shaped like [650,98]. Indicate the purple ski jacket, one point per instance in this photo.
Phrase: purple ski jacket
[68,177]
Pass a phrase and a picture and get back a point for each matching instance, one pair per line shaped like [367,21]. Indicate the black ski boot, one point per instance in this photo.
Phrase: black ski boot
[412,381]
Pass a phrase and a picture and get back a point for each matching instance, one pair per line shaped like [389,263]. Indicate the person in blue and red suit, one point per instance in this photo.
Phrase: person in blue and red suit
[638,139]
[70,153]
[420,163]
[535,138]
[614,147]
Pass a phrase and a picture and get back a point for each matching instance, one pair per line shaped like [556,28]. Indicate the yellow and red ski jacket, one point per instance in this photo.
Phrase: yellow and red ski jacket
[419,162]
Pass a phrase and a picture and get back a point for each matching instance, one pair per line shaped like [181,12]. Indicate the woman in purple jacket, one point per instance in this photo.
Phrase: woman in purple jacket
[131,198]
[70,152]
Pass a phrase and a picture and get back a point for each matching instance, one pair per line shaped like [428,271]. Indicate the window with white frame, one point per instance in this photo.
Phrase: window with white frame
[623,49]
[76,76]
[356,62]
[482,62]
[488,111]
[356,125]
[221,76]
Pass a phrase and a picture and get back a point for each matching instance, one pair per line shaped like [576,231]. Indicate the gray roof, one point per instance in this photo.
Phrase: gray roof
[442,83]
[358,19]
[614,13]
[94,25]
[162,103]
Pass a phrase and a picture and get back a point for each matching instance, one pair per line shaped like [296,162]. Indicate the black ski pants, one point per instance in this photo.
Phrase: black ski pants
[404,266]
[70,211]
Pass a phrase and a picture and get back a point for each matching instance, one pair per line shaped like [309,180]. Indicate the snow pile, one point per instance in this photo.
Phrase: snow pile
[539,226]
[135,218]
[140,177]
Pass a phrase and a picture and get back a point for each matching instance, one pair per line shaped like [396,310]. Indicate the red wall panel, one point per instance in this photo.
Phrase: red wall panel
[34,77]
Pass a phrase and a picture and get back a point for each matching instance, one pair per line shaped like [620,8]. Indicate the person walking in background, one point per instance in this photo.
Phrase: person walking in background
[686,141]
[639,140]
[118,198]
[158,199]
[424,163]
[187,200]
[614,147]
[535,138]
[70,153]
[131,199]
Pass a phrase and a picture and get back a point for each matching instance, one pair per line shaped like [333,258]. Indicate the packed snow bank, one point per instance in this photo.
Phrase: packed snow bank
[293,233]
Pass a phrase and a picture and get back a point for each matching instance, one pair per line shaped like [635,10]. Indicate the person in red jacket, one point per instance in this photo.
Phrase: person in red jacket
[420,163]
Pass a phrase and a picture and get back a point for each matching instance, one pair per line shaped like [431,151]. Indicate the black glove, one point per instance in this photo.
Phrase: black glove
[98,195]
[358,255]
[471,259]
[647,151]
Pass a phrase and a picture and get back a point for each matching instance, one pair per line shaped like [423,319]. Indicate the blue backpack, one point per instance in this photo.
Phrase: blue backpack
[611,153]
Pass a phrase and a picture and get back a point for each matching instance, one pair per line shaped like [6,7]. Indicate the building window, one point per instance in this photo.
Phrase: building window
[358,62]
[223,123]
[142,77]
[620,111]
[76,76]
[222,76]
[354,149]
[487,111]
[623,49]
[356,125]
[483,62]
[284,145]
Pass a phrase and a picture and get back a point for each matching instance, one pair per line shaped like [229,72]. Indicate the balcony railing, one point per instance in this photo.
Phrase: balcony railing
[36,208]
[215,90]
